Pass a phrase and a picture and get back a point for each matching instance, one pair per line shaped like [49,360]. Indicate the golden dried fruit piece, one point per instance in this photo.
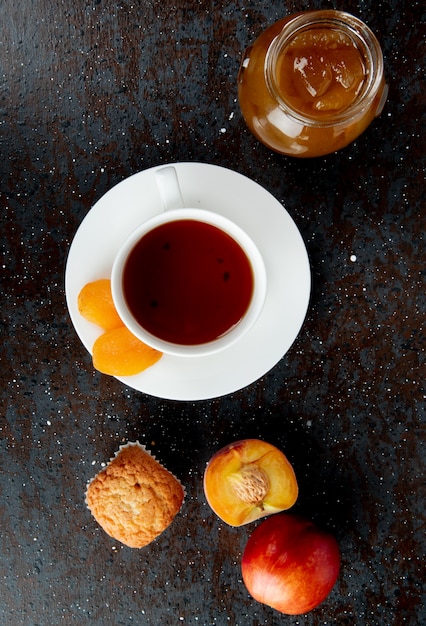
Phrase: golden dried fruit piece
[247,480]
[96,305]
[119,353]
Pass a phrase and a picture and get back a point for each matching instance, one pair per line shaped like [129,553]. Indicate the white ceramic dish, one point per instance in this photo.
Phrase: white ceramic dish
[214,188]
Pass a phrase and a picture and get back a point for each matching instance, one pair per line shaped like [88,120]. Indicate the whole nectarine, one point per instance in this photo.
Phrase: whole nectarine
[290,564]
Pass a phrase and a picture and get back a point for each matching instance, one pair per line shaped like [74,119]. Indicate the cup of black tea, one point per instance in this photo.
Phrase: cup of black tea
[188,281]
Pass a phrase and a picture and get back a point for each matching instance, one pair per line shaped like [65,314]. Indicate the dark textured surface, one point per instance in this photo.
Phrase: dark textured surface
[91,92]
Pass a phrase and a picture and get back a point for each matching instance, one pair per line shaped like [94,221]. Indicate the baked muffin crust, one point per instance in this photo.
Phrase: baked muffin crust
[134,498]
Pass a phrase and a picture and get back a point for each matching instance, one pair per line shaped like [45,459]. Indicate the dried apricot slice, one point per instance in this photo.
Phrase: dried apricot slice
[119,353]
[96,305]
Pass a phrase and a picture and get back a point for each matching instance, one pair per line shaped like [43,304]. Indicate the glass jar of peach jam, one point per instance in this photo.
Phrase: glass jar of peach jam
[312,82]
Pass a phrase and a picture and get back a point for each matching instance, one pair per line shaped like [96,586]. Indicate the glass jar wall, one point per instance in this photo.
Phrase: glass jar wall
[312,82]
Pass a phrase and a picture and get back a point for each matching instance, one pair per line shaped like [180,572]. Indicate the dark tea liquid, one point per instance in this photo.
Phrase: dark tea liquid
[187,282]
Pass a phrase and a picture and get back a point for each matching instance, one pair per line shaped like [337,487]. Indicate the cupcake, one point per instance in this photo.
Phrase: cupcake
[134,499]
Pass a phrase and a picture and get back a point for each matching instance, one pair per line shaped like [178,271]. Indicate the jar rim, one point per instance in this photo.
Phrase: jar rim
[353,27]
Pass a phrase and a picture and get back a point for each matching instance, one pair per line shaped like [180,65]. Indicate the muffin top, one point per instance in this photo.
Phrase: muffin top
[134,499]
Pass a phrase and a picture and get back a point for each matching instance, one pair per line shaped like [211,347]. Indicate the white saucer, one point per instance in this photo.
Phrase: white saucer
[240,199]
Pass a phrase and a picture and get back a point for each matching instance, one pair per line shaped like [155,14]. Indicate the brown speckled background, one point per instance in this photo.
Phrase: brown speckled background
[92,92]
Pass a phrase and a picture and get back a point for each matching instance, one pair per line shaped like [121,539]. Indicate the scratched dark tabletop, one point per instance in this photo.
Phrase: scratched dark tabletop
[92,92]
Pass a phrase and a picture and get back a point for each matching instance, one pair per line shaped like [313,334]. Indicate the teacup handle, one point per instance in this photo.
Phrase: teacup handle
[169,188]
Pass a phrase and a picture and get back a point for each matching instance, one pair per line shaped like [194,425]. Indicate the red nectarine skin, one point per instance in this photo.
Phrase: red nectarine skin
[290,564]
[249,479]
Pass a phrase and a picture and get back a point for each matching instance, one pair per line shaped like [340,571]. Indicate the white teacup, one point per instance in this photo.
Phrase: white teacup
[188,282]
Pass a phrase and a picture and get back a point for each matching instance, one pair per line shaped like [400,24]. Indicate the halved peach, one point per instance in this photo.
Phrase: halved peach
[249,479]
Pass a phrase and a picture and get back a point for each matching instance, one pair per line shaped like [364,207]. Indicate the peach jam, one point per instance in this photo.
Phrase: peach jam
[311,83]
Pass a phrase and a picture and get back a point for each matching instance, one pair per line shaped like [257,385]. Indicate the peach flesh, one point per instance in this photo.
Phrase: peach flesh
[247,480]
